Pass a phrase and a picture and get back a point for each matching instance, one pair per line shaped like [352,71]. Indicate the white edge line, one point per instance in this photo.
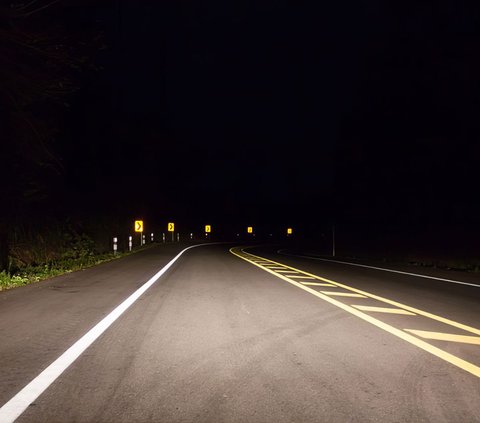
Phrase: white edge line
[380,268]
[12,409]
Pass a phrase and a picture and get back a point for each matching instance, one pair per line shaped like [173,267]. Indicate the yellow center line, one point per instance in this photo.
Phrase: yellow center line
[439,336]
[450,358]
[315,283]
[384,310]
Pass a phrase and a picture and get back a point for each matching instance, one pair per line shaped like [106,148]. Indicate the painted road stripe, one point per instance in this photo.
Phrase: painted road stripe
[439,336]
[343,294]
[450,358]
[300,277]
[12,409]
[287,271]
[315,283]
[387,301]
[381,268]
[384,310]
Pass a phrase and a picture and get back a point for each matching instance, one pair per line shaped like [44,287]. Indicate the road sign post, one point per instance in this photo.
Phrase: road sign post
[139,228]
[171,228]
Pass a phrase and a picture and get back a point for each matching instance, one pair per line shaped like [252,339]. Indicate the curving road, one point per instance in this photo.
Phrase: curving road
[228,334]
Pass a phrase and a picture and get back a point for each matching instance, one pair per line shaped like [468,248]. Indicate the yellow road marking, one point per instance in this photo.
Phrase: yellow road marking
[302,277]
[385,300]
[286,271]
[439,336]
[450,358]
[384,310]
[315,283]
[343,294]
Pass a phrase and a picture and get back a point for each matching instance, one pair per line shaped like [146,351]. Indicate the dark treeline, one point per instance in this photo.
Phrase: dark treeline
[366,120]
[47,51]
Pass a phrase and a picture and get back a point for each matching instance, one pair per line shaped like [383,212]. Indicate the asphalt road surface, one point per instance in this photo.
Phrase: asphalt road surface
[240,335]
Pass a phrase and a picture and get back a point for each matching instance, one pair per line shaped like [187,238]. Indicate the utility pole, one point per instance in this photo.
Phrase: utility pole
[333,240]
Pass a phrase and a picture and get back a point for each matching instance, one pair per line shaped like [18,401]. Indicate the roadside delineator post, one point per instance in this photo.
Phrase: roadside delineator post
[115,245]
[178,237]
[129,243]
[163,237]
[151,237]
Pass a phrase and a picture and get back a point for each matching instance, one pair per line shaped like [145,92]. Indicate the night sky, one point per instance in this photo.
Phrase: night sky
[271,113]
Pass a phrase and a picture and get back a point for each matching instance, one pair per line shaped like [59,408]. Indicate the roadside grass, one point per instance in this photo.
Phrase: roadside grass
[32,274]
[460,265]
[465,264]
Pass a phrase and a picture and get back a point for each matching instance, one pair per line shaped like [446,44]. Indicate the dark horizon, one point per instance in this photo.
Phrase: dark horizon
[362,116]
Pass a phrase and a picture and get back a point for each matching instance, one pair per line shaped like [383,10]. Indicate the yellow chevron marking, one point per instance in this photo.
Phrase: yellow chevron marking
[384,310]
[439,336]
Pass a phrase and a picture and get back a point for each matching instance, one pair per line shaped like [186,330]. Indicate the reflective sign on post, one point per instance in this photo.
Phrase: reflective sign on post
[138,225]
[289,231]
[171,227]
[208,229]
[250,230]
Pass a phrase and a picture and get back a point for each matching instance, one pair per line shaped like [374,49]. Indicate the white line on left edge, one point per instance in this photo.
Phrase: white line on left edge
[12,409]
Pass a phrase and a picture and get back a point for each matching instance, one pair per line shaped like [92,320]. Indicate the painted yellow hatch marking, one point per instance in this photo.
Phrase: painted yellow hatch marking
[384,310]
[343,294]
[316,283]
[302,277]
[439,336]
[402,334]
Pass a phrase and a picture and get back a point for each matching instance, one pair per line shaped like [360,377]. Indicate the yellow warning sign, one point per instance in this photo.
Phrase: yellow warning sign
[171,227]
[250,230]
[138,225]
[289,231]
[208,229]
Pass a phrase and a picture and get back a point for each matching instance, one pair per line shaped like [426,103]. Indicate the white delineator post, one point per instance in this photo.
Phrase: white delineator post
[115,245]
[178,237]
[163,236]
[129,243]
[151,237]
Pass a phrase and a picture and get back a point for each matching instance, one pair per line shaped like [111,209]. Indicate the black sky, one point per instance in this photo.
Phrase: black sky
[278,112]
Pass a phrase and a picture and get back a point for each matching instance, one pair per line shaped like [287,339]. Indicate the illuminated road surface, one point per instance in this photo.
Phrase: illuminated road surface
[242,336]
